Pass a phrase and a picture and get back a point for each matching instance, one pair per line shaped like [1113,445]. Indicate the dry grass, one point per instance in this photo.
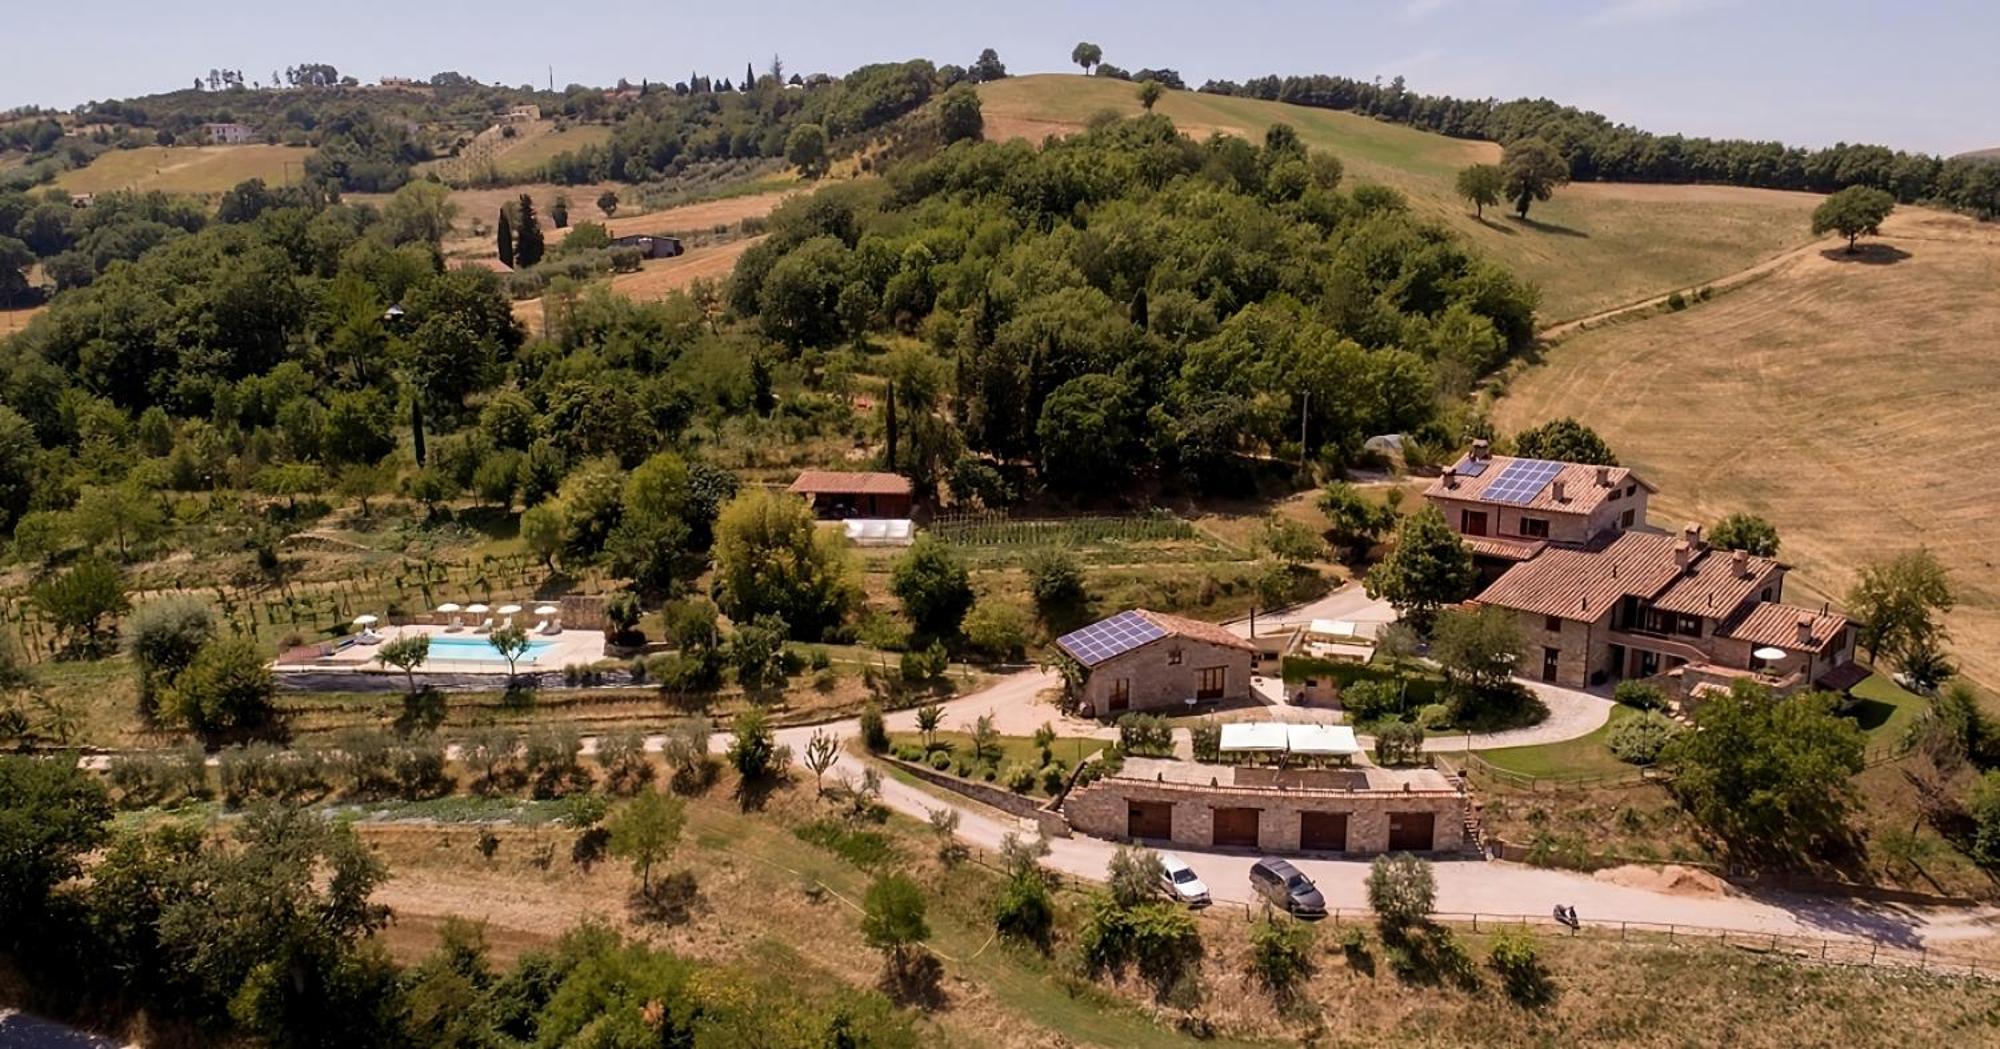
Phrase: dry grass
[1593,247]
[658,277]
[12,321]
[187,169]
[1846,398]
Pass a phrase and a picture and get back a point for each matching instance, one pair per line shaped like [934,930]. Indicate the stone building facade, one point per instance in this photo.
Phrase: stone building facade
[1141,660]
[1355,822]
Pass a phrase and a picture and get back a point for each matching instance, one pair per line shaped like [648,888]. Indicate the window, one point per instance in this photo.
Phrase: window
[1472,522]
[1174,657]
[1625,520]
[1553,624]
[1691,626]
[1535,527]
[1767,593]
[1631,490]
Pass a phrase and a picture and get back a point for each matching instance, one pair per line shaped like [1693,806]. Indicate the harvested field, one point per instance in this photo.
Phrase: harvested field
[690,218]
[12,321]
[187,169]
[1595,246]
[658,277]
[1848,398]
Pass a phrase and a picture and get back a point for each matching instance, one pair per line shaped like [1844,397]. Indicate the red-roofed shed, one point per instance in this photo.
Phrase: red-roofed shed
[837,495]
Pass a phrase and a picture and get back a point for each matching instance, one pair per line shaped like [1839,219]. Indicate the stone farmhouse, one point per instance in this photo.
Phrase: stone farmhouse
[1141,660]
[1601,596]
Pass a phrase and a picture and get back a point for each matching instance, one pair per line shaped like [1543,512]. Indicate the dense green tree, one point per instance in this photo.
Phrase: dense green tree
[52,815]
[543,527]
[805,149]
[225,689]
[1853,212]
[1900,602]
[1479,649]
[1481,185]
[1354,522]
[893,921]
[770,558]
[987,67]
[164,635]
[504,238]
[1056,584]
[1533,171]
[1748,532]
[1084,431]
[78,601]
[1564,440]
[959,115]
[607,202]
[1428,569]
[1767,776]
[1086,55]
[528,241]
[1150,93]
[1402,890]
[933,586]
[420,213]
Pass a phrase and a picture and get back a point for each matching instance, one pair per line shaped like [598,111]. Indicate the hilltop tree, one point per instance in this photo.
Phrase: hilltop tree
[505,235]
[1853,212]
[1429,568]
[1086,55]
[527,238]
[1564,440]
[1149,94]
[1481,185]
[805,149]
[987,68]
[1899,603]
[1534,169]
[1747,532]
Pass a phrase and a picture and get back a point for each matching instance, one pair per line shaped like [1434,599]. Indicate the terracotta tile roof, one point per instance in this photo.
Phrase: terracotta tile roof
[1715,586]
[844,482]
[1584,584]
[1582,494]
[1777,625]
[1504,549]
[1196,630]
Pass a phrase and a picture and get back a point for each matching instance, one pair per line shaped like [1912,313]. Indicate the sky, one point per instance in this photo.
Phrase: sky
[1913,74]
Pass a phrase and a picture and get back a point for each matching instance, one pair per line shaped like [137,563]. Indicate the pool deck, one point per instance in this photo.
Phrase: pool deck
[565,648]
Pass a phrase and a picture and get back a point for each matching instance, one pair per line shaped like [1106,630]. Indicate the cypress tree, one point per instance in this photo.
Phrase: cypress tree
[528,239]
[506,237]
[749,76]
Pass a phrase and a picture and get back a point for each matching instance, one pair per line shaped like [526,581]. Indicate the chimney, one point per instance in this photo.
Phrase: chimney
[1604,477]
[1451,477]
[1682,553]
[1692,536]
[1805,631]
[1482,449]
[1561,493]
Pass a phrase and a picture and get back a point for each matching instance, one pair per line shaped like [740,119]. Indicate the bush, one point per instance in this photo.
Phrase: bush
[874,734]
[1147,735]
[1516,957]
[1281,953]
[1432,716]
[1024,910]
[1162,938]
[940,760]
[1019,778]
[1401,890]
[1640,695]
[1205,736]
[1640,740]
[1399,743]
[1055,775]
[1983,805]
[1371,699]
[924,665]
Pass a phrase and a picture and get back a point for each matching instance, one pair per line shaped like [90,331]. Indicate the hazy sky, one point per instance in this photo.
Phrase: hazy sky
[1917,74]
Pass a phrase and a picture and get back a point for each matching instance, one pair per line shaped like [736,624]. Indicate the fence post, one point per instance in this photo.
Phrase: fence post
[1874,949]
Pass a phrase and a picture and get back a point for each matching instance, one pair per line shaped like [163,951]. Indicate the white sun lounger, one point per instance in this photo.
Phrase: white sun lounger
[484,628]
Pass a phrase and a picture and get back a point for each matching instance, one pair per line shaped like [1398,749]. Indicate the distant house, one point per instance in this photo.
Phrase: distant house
[1141,660]
[837,495]
[650,245]
[227,134]
[525,114]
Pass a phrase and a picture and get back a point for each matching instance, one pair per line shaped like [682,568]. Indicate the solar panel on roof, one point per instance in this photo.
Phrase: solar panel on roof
[1470,467]
[1521,481]
[1110,637]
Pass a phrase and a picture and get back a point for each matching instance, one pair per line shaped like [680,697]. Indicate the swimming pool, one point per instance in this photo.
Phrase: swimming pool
[460,648]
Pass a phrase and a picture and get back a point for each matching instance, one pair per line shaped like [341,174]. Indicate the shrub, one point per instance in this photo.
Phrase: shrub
[1054,775]
[923,665]
[1983,805]
[874,734]
[1371,699]
[1281,953]
[1516,957]
[1206,737]
[941,760]
[1024,910]
[1433,716]
[1401,890]
[1162,938]
[1677,302]
[1019,778]
[1640,695]
[1640,740]
[1399,743]
[907,752]
[1147,734]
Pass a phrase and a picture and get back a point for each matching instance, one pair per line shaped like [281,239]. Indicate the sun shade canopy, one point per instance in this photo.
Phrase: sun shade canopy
[1253,736]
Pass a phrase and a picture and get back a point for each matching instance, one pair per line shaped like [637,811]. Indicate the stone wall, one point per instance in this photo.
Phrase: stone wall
[1052,824]
[1101,810]
[1160,683]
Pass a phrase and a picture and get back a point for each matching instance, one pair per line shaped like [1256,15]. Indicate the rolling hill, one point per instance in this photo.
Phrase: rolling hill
[187,169]
[1594,247]
[1846,398]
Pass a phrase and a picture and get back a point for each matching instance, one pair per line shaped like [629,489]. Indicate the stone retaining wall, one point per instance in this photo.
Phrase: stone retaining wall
[1051,823]
[1102,810]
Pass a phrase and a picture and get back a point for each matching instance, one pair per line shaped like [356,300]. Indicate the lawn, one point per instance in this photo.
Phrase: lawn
[1580,758]
[187,169]
[1884,709]
[1848,400]
[1593,247]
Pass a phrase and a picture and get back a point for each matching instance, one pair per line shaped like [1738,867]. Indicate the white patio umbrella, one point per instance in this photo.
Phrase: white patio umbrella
[1770,653]
[509,610]
[451,608]
[366,619]
[448,607]
[476,609]
[546,610]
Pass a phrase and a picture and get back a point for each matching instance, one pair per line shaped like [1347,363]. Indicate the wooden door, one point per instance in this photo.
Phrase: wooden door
[1149,819]
[1236,827]
[1323,831]
[1550,658]
[1121,693]
[1212,683]
[1412,831]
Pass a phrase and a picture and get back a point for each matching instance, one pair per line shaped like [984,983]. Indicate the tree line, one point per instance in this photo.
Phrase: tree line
[1599,150]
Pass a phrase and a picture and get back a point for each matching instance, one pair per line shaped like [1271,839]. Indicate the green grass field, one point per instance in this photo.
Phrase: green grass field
[1594,247]
[187,169]
[526,159]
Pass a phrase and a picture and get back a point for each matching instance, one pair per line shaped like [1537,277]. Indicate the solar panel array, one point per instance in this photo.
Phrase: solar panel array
[1110,637]
[1521,481]
[1470,467]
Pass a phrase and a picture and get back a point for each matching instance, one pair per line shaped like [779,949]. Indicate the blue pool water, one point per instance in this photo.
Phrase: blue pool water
[474,648]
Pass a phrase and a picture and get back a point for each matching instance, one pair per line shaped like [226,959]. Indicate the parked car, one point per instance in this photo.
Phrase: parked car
[1288,887]
[1181,882]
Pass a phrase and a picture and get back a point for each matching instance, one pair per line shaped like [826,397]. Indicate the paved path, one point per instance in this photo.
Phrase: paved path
[1572,714]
